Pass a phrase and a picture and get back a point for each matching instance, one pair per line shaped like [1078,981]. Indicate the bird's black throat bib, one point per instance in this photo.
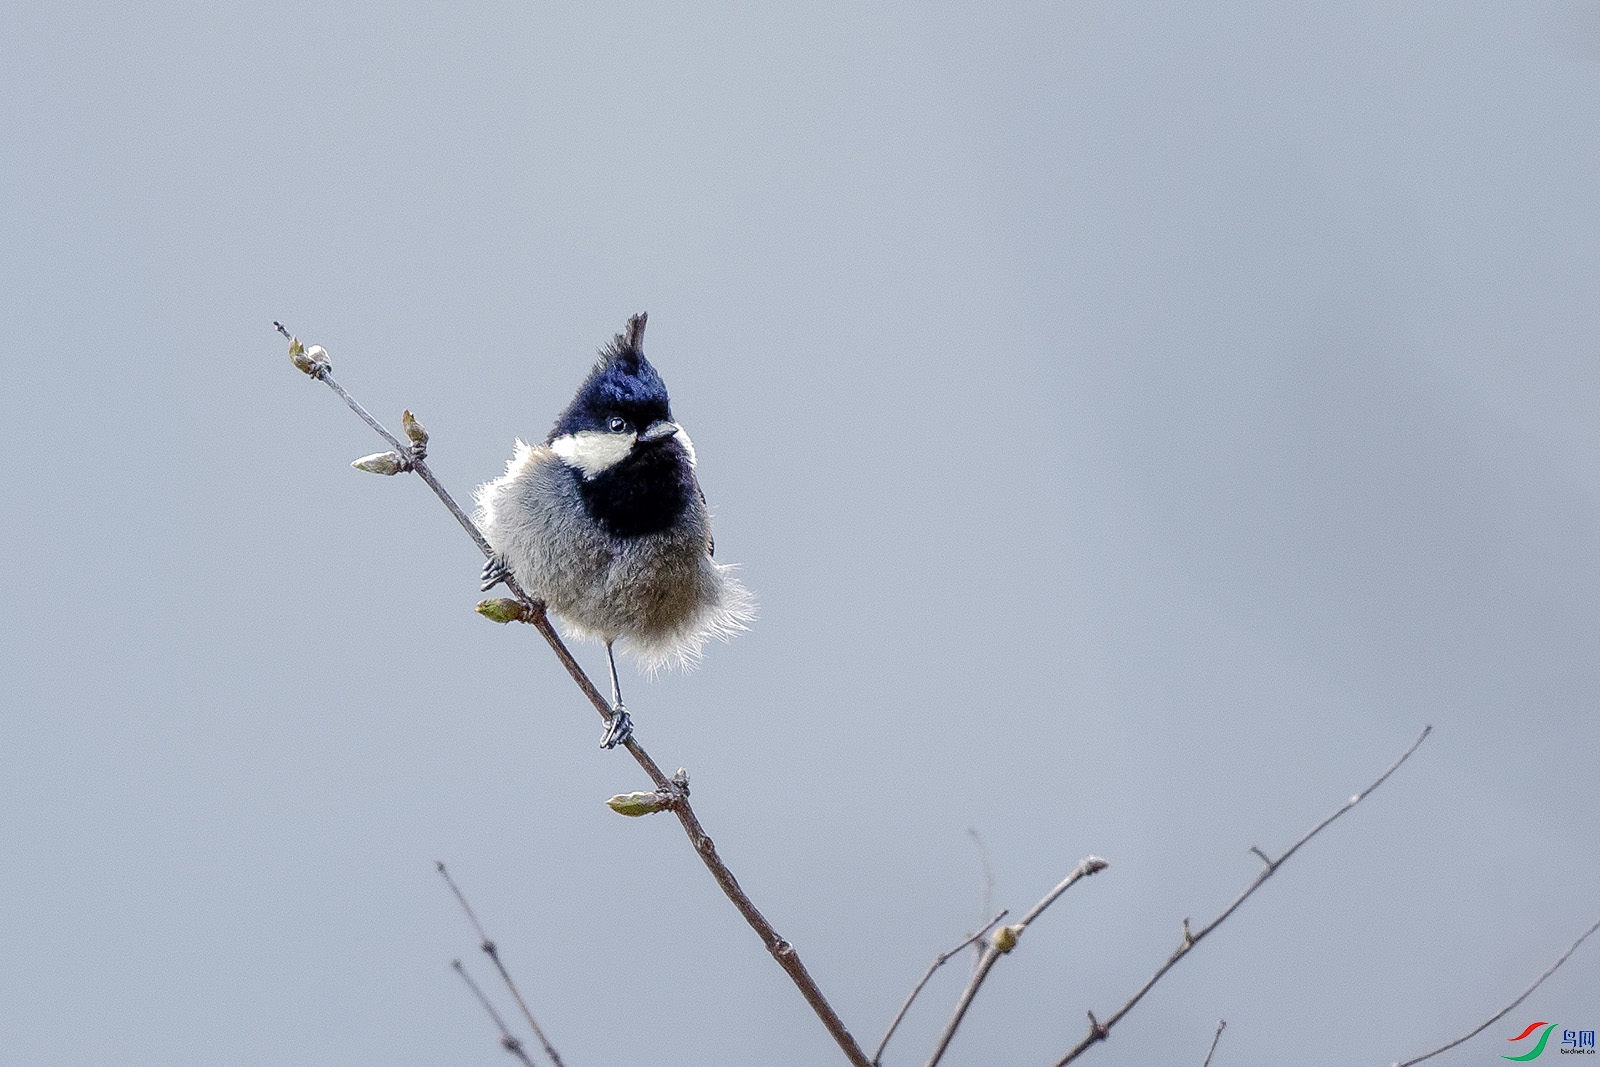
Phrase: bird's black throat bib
[643,494]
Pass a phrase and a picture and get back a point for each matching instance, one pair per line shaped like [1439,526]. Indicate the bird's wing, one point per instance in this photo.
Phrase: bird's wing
[711,541]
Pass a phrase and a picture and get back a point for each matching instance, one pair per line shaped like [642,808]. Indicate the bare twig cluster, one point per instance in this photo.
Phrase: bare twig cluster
[938,961]
[492,950]
[508,1040]
[1099,1031]
[1003,941]
[672,794]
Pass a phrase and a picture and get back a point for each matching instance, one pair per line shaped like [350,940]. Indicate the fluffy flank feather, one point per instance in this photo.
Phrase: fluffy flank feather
[734,610]
[486,496]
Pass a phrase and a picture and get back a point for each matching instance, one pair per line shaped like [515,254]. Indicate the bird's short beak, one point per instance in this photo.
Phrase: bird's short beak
[658,431]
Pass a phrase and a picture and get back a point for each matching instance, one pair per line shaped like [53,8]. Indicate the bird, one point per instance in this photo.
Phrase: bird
[605,522]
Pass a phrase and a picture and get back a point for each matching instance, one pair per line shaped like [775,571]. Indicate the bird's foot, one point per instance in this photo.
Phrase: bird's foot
[618,729]
[495,571]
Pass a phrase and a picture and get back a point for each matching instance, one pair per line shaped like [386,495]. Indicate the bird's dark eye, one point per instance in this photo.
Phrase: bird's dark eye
[618,424]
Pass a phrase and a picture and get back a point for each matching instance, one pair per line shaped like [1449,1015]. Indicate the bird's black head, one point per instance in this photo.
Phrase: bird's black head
[622,386]
[634,464]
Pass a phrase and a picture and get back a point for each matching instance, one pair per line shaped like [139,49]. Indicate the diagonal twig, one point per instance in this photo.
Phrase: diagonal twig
[987,876]
[507,1040]
[1503,1012]
[492,950]
[1099,1031]
[314,362]
[1222,1024]
[939,961]
[1003,941]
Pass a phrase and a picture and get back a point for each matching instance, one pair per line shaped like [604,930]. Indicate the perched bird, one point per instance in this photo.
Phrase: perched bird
[605,522]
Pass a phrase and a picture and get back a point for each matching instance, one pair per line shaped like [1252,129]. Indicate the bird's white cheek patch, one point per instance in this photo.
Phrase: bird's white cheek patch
[688,445]
[591,451]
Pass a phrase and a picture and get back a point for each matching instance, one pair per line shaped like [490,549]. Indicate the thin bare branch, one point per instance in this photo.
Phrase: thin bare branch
[1503,1012]
[1099,1031]
[988,876]
[492,950]
[1222,1024]
[939,961]
[1090,865]
[781,950]
[1003,941]
[507,1040]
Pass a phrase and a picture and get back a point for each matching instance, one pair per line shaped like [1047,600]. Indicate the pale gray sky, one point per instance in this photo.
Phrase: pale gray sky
[1137,422]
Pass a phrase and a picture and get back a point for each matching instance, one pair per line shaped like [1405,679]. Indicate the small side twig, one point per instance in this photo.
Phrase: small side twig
[508,1041]
[1222,1024]
[533,612]
[1003,941]
[939,961]
[1503,1012]
[1099,1031]
[492,950]
[988,875]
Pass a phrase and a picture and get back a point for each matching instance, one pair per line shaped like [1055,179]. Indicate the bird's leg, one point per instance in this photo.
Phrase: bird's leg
[495,571]
[620,727]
